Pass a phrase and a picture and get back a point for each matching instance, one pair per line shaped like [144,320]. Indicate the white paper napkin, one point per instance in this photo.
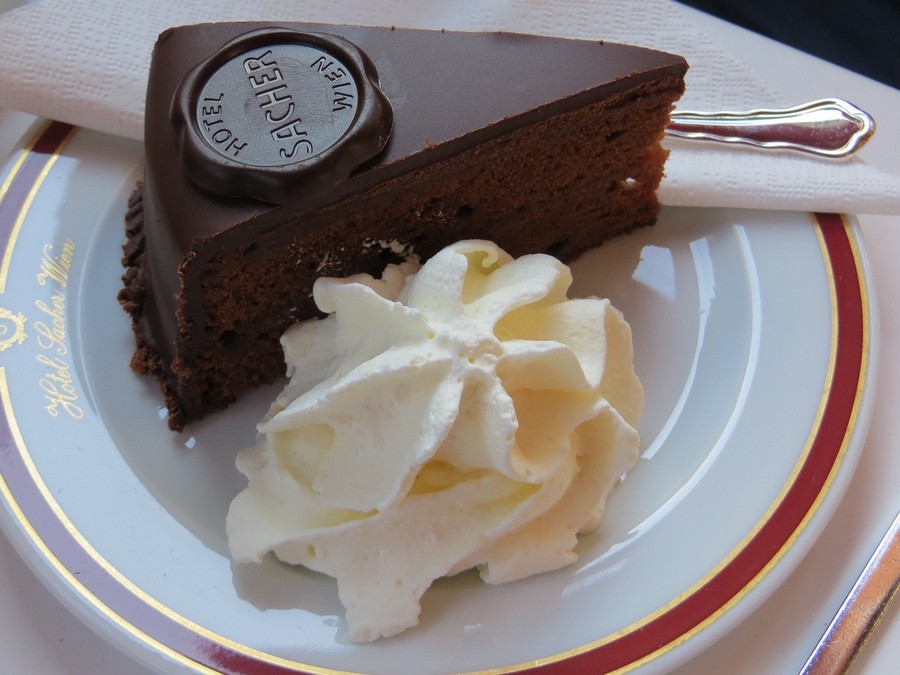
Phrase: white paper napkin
[86,61]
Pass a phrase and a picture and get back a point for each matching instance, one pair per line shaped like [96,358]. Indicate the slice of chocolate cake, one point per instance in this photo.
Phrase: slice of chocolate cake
[279,154]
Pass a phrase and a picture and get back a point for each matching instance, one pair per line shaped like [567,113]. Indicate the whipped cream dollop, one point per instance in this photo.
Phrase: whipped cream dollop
[467,414]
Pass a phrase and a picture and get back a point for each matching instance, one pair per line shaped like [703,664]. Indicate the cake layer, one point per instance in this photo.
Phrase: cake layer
[539,144]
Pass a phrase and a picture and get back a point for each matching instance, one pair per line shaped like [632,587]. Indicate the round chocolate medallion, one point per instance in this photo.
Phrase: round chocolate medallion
[277,113]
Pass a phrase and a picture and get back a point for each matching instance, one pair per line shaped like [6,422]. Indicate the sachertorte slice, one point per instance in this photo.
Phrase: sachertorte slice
[276,154]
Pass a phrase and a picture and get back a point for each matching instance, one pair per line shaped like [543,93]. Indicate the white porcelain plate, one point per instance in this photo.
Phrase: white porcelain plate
[753,340]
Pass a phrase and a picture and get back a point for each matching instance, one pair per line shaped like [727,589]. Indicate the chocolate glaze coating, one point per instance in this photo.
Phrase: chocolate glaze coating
[451,92]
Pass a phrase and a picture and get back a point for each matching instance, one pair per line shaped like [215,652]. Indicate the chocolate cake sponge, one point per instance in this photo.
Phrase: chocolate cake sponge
[536,143]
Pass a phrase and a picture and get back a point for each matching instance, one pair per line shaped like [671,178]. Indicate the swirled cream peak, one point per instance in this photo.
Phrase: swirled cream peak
[465,415]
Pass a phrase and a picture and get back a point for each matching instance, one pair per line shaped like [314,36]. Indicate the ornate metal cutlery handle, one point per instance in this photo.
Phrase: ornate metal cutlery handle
[827,128]
[862,609]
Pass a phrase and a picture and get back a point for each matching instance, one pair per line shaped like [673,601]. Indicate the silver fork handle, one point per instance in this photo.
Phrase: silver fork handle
[827,128]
